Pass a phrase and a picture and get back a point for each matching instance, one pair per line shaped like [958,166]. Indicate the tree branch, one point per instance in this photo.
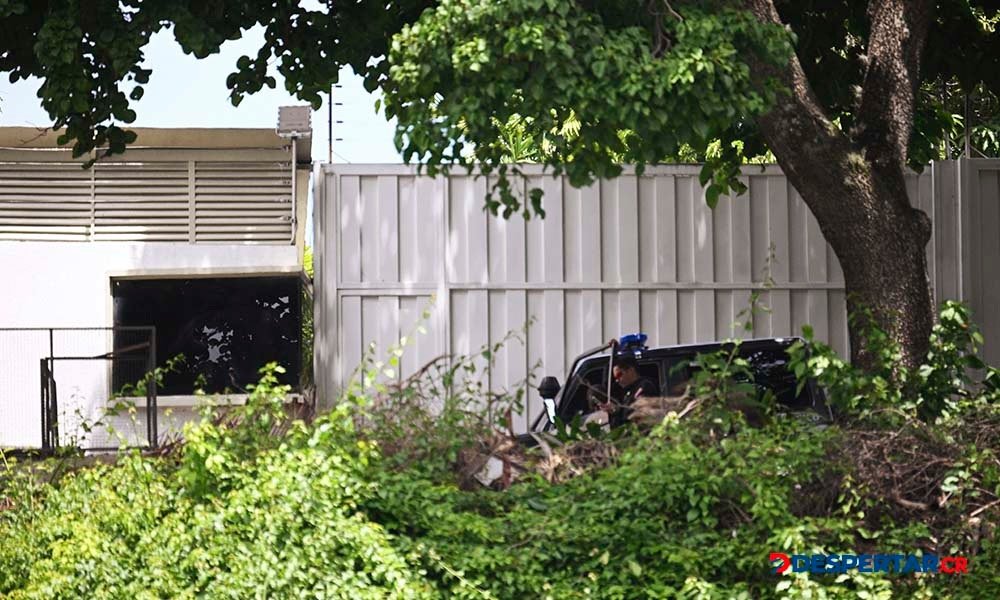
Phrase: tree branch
[895,45]
[797,128]
[662,40]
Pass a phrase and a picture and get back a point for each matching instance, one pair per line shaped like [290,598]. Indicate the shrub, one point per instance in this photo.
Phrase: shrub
[939,387]
[363,501]
[237,514]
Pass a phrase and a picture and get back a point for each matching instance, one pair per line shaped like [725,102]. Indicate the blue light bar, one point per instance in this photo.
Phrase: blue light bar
[635,341]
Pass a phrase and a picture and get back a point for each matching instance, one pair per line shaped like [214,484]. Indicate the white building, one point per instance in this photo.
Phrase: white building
[196,232]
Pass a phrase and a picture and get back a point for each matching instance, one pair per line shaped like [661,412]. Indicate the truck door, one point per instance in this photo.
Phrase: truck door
[585,391]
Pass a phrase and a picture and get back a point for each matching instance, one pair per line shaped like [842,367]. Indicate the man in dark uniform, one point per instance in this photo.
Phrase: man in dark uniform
[633,385]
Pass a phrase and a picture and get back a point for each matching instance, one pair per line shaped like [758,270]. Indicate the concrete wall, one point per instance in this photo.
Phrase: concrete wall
[68,284]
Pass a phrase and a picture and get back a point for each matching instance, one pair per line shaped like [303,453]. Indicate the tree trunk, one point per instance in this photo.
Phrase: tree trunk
[895,289]
[880,241]
[866,216]
[853,181]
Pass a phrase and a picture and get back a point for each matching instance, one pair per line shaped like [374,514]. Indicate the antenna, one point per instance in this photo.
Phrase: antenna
[329,123]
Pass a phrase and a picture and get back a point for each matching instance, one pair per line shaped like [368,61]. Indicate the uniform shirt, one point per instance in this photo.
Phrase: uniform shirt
[649,389]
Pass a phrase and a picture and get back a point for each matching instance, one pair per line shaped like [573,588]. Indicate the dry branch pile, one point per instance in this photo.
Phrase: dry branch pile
[916,473]
[647,412]
[498,461]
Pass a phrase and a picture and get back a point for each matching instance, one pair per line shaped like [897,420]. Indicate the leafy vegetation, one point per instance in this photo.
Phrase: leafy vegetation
[364,502]
[597,96]
[307,328]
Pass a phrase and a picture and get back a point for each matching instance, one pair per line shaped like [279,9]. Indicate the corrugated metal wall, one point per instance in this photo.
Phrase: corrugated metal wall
[629,254]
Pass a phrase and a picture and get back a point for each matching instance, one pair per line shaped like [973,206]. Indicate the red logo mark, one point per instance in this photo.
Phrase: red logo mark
[785,562]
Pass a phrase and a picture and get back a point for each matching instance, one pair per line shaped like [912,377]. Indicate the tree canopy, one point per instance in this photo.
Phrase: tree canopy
[451,83]
[845,95]
[89,53]
[644,79]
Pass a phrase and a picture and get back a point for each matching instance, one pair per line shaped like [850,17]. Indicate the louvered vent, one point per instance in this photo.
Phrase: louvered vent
[194,201]
[45,201]
[237,201]
[141,201]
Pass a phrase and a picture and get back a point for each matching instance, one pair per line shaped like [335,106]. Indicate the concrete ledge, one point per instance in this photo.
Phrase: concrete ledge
[193,401]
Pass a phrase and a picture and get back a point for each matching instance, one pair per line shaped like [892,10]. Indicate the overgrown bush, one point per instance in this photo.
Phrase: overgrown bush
[365,502]
[423,422]
[942,386]
[236,514]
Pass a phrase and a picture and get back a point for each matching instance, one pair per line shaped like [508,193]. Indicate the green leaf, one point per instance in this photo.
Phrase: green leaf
[712,195]
[536,504]
[705,175]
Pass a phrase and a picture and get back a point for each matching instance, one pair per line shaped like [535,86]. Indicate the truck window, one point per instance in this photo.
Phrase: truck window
[590,388]
[651,371]
[770,372]
[770,367]
[678,376]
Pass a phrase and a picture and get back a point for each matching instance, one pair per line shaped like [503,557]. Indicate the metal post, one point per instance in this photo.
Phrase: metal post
[968,129]
[150,411]
[53,407]
[43,395]
[152,391]
[946,138]
[50,395]
[52,353]
[329,127]
[611,372]
[295,209]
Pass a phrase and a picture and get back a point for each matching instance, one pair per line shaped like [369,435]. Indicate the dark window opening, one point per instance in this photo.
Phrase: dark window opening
[770,368]
[226,328]
[650,371]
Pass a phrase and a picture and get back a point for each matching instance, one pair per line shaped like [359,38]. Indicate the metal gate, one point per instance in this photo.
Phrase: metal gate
[97,387]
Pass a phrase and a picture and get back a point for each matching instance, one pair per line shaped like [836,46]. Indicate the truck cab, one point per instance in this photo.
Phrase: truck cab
[590,382]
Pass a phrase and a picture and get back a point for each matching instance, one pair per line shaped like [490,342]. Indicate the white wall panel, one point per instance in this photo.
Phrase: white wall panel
[947,228]
[634,253]
[582,234]
[983,179]
[686,227]
[348,230]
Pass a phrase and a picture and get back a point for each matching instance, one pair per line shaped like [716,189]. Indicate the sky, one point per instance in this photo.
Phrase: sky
[186,92]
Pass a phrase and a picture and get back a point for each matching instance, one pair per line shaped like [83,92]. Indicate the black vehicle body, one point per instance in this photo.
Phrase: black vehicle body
[669,366]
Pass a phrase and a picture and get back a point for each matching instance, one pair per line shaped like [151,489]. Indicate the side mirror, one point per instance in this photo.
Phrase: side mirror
[548,389]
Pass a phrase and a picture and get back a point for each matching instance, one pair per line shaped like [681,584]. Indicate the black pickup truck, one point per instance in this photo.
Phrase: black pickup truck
[670,367]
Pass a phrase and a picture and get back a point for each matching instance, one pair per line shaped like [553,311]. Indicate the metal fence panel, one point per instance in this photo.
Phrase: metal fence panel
[632,253]
[981,247]
[90,412]
[20,419]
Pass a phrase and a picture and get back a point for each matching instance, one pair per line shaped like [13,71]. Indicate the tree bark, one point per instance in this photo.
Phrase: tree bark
[880,242]
[853,182]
